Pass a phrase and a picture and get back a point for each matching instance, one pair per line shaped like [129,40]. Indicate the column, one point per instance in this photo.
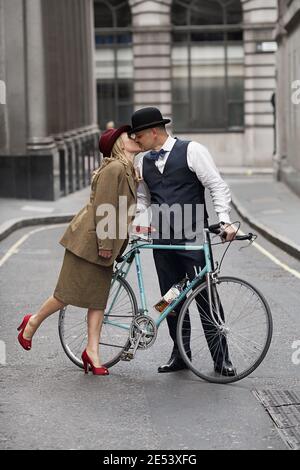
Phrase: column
[259,17]
[3,91]
[12,39]
[282,99]
[44,157]
[152,54]
[288,36]
[36,77]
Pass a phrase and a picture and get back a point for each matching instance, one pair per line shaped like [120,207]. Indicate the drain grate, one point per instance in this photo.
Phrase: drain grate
[278,397]
[291,437]
[286,416]
[284,408]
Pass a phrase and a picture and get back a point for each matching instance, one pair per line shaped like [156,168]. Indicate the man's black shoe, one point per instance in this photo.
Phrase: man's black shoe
[225,369]
[174,363]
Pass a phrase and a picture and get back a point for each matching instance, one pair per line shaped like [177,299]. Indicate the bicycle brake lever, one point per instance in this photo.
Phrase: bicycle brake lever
[254,237]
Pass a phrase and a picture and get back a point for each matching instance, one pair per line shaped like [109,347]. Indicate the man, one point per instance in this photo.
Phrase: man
[177,172]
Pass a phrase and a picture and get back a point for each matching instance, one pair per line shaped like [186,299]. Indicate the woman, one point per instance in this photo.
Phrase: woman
[86,273]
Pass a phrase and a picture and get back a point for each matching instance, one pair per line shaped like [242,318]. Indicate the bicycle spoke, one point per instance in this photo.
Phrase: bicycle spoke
[121,309]
[234,333]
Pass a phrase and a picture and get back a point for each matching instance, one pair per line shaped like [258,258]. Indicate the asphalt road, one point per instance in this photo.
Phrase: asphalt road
[48,403]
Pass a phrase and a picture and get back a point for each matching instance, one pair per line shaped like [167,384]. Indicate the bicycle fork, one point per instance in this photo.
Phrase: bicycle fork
[213,300]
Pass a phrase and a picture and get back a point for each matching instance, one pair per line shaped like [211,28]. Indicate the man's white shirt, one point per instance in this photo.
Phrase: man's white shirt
[200,162]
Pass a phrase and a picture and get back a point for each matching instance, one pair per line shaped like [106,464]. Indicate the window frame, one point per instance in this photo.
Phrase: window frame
[114,33]
[188,30]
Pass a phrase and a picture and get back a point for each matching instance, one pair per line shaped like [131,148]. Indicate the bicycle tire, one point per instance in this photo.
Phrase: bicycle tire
[215,331]
[73,349]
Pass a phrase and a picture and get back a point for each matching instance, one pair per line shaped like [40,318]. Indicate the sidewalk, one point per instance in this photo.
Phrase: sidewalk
[268,206]
[18,213]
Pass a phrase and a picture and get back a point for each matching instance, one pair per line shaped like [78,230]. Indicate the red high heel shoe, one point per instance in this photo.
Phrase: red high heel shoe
[87,363]
[25,343]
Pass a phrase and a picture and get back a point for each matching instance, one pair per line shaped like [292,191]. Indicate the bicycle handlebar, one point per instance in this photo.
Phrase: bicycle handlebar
[217,229]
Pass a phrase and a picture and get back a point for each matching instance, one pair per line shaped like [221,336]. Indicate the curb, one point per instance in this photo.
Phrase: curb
[15,224]
[284,243]
[244,171]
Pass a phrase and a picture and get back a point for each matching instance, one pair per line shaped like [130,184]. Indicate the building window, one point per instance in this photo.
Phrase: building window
[114,61]
[207,65]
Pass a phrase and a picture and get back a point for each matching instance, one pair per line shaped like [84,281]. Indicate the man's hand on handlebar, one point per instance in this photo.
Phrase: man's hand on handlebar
[229,233]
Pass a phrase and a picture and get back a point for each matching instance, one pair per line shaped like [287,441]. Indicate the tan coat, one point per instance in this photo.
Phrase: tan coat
[108,184]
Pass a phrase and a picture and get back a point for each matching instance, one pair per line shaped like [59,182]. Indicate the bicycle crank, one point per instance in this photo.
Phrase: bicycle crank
[143,332]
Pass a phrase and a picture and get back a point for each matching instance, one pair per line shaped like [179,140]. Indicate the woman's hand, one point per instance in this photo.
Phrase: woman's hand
[140,230]
[105,253]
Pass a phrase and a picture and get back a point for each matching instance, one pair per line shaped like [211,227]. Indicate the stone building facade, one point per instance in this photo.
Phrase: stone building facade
[288,93]
[207,64]
[48,123]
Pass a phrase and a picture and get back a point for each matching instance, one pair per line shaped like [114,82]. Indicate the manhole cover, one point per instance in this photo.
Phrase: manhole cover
[284,408]
[278,397]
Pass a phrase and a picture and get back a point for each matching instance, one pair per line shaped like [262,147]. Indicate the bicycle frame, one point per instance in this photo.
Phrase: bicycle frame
[225,320]
[134,254]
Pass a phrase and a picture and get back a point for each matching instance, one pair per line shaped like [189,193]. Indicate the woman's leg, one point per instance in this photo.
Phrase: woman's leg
[51,306]
[95,319]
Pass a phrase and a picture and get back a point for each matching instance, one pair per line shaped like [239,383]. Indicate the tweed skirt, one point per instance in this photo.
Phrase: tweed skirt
[83,284]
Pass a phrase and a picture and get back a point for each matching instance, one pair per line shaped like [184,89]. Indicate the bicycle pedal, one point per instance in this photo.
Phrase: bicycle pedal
[128,356]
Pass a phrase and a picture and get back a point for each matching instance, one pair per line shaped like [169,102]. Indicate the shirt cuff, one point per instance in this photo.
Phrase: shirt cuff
[224,217]
[142,219]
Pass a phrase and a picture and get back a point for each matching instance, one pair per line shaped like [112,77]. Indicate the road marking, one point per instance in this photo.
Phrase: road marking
[15,248]
[273,258]
[37,209]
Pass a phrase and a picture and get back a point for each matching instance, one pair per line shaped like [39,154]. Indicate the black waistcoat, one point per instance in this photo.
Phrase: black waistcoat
[176,185]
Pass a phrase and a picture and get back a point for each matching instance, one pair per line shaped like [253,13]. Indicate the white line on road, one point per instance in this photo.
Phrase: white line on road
[15,248]
[273,258]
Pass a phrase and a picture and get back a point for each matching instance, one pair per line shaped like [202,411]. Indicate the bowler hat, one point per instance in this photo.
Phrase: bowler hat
[108,139]
[145,118]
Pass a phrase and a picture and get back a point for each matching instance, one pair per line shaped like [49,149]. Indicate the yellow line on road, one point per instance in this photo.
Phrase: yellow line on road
[275,260]
[15,248]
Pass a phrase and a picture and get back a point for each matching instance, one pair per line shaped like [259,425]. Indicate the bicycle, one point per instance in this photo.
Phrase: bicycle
[235,322]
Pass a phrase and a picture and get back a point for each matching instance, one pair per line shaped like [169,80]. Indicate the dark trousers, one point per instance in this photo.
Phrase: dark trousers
[172,266]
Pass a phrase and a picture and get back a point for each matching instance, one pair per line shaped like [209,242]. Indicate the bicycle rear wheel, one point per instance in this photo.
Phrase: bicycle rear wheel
[238,331]
[119,313]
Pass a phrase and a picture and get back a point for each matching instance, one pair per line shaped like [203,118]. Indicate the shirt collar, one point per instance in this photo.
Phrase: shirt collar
[169,144]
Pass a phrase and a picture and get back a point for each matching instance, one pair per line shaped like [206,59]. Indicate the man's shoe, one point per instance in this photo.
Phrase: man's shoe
[226,369]
[174,363]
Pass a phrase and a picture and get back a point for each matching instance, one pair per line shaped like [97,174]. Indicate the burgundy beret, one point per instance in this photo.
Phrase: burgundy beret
[108,139]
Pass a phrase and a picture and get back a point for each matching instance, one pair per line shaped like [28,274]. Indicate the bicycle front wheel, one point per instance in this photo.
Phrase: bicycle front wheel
[120,311]
[229,342]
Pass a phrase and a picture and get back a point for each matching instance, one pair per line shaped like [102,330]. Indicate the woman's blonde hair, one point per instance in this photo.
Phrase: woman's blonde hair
[117,153]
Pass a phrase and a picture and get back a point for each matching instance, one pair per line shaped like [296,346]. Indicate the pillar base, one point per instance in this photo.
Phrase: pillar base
[28,177]
[53,166]
[291,177]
